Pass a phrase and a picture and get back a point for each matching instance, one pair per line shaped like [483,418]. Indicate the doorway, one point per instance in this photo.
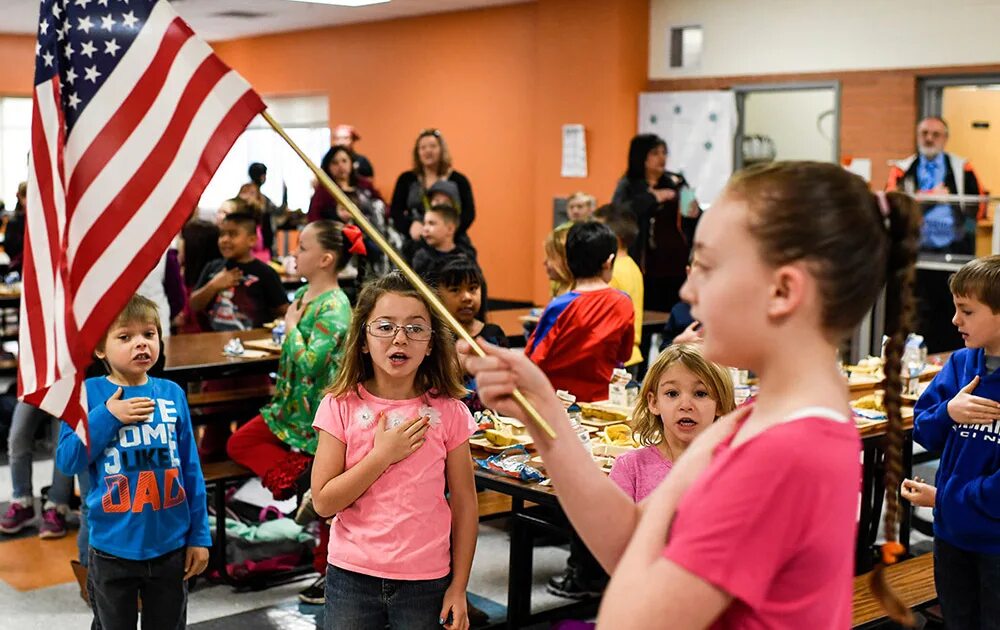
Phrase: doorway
[787,121]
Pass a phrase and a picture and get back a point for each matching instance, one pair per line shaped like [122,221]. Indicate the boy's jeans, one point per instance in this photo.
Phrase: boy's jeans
[115,585]
[20,446]
[968,586]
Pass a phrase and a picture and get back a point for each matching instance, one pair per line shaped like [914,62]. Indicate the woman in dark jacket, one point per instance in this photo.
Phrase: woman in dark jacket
[338,163]
[663,246]
[431,163]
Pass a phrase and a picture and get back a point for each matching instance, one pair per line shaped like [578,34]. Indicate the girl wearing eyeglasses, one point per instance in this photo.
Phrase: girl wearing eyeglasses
[393,433]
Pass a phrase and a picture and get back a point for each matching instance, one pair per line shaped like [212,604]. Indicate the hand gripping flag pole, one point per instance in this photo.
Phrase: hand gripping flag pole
[397,260]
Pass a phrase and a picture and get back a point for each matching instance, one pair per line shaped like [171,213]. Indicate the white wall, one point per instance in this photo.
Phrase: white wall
[751,37]
[792,120]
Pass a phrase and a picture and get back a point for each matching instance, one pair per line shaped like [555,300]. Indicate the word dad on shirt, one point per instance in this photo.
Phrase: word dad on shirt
[148,448]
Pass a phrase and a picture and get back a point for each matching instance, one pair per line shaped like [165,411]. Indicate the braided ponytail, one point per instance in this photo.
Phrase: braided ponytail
[904,231]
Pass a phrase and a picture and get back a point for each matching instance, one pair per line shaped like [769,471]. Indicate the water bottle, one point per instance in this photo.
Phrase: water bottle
[278,333]
[575,414]
[913,363]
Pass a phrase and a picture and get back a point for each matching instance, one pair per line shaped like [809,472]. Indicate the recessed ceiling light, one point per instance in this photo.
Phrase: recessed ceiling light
[344,3]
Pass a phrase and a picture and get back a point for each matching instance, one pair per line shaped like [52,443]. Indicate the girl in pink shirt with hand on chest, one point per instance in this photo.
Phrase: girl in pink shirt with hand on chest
[393,436]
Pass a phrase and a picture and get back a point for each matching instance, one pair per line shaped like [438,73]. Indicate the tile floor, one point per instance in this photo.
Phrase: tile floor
[38,591]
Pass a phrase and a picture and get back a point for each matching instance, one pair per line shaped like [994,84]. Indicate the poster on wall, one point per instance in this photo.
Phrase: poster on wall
[699,128]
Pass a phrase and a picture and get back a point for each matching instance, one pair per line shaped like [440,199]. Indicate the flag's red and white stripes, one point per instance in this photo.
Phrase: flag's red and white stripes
[104,203]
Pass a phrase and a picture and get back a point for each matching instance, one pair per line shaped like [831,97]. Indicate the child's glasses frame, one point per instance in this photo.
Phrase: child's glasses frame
[387,330]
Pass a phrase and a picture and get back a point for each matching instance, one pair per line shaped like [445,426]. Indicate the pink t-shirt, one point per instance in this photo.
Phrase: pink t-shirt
[400,528]
[638,472]
[773,522]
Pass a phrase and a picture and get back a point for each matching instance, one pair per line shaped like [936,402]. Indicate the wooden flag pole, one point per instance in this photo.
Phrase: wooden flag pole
[429,295]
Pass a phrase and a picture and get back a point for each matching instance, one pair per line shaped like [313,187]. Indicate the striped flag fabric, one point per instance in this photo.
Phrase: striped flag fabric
[132,114]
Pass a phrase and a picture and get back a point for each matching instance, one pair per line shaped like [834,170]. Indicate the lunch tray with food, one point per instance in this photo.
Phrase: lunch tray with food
[602,413]
[497,432]
[871,408]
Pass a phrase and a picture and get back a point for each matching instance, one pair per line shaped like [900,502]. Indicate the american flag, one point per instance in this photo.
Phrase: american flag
[132,114]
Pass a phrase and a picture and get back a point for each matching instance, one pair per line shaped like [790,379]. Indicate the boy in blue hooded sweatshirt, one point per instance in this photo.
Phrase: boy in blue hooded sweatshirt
[958,417]
[147,511]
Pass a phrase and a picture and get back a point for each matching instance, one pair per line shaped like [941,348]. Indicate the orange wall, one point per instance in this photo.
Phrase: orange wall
[17,64]
[499,83]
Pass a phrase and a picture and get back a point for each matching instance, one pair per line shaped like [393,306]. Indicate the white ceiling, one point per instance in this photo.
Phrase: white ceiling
[262,16]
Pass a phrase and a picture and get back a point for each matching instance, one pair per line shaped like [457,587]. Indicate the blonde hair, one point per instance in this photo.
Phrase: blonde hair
[439,373]
[555,251]
[138,309]
[648,426]
[579,195]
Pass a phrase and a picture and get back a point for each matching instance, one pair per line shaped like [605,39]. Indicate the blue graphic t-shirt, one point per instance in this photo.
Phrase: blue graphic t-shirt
[147,493]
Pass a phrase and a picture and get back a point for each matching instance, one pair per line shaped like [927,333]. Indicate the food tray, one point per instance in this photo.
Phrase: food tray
[481,442]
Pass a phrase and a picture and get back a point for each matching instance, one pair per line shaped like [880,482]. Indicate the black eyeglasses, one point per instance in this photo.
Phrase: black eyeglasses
[386,329]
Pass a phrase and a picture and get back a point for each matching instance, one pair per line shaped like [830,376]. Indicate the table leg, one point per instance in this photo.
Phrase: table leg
[906,510]
[863,547]
[519,578]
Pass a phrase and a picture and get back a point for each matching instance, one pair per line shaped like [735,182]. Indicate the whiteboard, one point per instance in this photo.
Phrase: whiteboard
[699,128]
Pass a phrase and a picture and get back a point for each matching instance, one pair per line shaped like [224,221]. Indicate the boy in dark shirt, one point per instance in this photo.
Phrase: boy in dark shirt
[237,291]
[440,224]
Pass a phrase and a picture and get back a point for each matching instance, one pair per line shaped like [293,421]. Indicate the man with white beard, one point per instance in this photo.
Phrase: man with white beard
[934,171]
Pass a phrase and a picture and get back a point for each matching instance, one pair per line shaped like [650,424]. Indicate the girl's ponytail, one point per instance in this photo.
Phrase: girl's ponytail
[902,219]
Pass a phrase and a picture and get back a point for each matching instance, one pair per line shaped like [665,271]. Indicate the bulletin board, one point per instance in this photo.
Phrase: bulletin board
[699,128]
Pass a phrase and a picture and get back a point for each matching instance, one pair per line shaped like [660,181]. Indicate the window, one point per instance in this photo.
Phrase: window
[15,143]
[305,120]
[685,46]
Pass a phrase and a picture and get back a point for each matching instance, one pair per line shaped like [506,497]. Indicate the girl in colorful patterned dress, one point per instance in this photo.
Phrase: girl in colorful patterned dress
[278,445]
[393,435]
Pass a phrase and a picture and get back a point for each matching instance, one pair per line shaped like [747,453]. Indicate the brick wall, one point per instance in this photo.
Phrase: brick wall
[878,108]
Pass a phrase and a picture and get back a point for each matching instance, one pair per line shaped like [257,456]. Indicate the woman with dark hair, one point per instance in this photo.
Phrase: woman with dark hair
[411,197]
[338,163]
[665,231]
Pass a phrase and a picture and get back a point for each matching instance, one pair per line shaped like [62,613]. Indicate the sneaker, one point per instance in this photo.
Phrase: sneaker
[315,593]
[53,524]
[569,585]
[17,517]
[306,513]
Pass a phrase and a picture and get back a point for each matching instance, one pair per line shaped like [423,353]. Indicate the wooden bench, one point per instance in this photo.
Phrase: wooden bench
[221,397]
[228,404]
[218,477]
[912,580]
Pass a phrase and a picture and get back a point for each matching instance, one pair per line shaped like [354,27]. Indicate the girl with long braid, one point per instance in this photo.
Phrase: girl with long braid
[755,526]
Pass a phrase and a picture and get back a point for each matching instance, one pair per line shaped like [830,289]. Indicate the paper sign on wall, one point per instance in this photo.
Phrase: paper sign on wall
[574,151]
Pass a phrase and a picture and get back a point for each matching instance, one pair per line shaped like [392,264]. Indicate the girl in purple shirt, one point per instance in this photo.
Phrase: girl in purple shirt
[682,395]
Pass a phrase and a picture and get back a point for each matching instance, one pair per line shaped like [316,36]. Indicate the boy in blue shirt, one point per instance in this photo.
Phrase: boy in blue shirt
[147,513]
[957,416]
